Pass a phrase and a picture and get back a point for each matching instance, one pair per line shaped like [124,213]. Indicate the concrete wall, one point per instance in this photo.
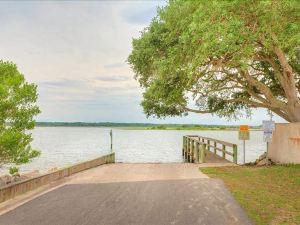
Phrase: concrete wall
[285,145]
[14,189]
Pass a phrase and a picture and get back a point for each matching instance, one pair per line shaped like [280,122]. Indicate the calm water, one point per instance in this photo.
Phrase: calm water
[63,146]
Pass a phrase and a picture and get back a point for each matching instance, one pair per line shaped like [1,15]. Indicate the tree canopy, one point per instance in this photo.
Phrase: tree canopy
[220,57]
[17,110]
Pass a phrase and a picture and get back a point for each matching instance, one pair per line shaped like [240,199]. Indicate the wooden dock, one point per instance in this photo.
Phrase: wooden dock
[198,149]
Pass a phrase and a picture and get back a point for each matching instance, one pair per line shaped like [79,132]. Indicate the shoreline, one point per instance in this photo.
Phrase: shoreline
[158,127]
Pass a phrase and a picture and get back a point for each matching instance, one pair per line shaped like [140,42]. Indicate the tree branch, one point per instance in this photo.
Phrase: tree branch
[197,111]
[262,88]
[288,75]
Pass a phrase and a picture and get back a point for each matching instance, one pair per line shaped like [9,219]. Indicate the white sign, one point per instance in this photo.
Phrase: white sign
[268,128]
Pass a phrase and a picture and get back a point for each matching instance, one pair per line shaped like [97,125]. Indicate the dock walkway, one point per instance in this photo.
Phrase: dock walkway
[129,194]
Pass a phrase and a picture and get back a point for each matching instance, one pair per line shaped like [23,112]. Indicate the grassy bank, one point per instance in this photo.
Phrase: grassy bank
[270,195]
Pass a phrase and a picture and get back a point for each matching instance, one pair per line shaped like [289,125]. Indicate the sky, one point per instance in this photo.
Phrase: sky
[76,51]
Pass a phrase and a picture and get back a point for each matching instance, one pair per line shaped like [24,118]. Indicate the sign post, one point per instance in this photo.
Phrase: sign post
[111,144]
[244,135]
[268,128]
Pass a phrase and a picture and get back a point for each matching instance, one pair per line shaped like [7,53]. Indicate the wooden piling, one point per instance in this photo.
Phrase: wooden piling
[196,155]
[183,144]
[235,153]
[187,150]
[215,147]
[208,145]
[224,151]
[202,153]
[192,151]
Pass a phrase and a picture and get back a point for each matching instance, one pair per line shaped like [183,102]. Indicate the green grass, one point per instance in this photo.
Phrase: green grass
[270,195]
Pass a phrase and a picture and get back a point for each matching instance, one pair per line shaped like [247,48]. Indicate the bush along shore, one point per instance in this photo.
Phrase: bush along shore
[8,179]
[16,177]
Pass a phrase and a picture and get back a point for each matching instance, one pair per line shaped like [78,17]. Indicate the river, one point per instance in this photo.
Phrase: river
[64,146]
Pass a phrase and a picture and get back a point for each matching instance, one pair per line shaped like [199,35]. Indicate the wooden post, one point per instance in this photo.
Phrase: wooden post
[187,148]
[208,145]
[189,151]
[202,153]
[192,151]
[197,152]
[215,147]
[111,141]
[235,154]
[183,145]
[223,152]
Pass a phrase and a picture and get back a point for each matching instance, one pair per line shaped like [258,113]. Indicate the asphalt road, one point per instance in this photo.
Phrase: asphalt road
[185,201]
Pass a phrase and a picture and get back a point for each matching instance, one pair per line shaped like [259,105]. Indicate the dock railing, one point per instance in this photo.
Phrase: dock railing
[195,148]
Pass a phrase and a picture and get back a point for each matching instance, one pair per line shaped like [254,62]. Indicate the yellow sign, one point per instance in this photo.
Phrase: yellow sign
[244,132]
[244,128]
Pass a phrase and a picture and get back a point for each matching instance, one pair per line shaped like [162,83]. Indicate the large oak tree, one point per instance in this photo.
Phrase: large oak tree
[228,56]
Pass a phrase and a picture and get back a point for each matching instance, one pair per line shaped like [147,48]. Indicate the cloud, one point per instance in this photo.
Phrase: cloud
[61,83]
[114,65]
[113,78]
[96,90]
[141,17]
[76,52]
[141,12]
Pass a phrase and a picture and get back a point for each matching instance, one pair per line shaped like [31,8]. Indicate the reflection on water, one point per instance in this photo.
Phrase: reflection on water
[63,146]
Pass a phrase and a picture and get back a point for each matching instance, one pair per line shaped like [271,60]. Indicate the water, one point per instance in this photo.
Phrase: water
[64,146]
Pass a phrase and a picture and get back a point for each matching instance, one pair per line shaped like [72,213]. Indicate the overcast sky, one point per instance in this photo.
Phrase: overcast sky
[76,52]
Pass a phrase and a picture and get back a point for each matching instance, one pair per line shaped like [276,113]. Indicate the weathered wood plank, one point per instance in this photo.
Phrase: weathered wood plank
[195,145]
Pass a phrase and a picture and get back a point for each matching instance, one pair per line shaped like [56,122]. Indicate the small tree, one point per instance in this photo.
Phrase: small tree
[229,56]
[17,109]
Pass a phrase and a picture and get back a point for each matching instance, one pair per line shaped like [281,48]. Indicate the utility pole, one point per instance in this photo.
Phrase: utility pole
[271,119]
[270,114]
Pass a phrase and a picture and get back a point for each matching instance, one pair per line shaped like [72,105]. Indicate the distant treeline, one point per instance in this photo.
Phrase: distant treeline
[138,125]
[84,124]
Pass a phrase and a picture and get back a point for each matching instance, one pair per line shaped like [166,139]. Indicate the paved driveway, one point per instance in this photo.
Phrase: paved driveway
[90,198]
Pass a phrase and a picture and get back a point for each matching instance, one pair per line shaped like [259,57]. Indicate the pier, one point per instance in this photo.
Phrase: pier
[198,149]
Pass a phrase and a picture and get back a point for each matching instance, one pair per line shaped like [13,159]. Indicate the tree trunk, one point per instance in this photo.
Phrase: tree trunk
[294,113]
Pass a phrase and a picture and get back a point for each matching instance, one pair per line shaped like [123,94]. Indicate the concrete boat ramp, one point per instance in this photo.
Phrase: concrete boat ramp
[117,194]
